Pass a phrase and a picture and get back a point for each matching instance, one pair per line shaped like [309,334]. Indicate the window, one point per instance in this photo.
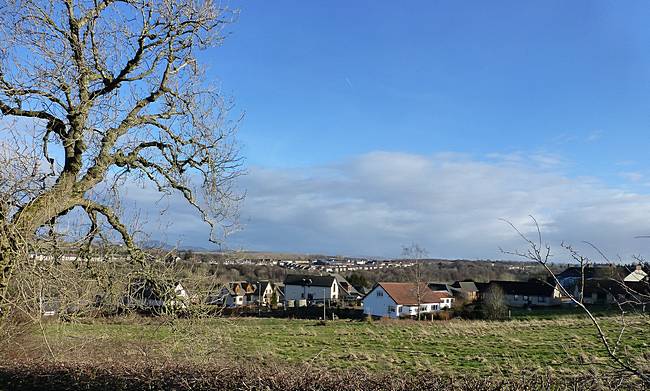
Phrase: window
[391,309]
[380,293]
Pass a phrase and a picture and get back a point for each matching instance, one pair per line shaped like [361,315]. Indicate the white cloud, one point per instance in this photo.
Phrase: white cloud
[449,203]
[632,176]
[594,136]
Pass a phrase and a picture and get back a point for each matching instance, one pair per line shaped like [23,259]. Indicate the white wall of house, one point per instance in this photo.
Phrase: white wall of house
[408,310]
[425,308]
[446,303]
[522,300]
[297,292]
[379,303]
[267,294]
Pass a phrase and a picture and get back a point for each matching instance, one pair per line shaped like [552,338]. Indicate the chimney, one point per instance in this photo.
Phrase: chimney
[639,267]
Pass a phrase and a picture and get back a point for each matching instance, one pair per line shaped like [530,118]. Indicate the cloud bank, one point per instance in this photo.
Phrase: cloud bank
[449,203]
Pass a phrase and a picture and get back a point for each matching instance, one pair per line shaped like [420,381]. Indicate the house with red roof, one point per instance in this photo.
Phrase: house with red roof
[404,299]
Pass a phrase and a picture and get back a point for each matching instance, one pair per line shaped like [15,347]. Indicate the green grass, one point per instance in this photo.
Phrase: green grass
[466,346]
[561,312]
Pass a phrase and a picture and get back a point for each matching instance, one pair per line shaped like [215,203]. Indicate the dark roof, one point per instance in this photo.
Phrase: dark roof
[405,293]
[611,286]
[308,280]
[346,286]
[598,271]
[439,286]
[525,288]
[465,286]
[482,286]
[264,284]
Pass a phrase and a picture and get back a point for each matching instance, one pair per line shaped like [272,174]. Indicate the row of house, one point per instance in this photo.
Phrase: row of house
[394,300]
[244,293]
[322,265]
[605,284]
[296,290]
[595,285]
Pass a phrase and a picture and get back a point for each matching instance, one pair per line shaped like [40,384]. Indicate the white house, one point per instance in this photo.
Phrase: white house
[310,288]
[397,299]
[262,294]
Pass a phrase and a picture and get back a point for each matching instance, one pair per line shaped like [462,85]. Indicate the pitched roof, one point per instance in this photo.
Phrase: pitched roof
[439,286]
[309,280]
[263,284]
[636,275]
[465,286]
[345,285]
[525,288]
[595,271]
[405,293]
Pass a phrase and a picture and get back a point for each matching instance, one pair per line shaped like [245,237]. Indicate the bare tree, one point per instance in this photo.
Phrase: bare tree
[621,357]
[583,263]
[494,303]
[114,92]
[416,253]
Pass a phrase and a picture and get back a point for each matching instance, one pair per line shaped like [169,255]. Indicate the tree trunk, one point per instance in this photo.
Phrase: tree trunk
[20,231]
[10,247]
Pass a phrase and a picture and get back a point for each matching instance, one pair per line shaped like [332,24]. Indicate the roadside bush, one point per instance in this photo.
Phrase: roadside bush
[35,375]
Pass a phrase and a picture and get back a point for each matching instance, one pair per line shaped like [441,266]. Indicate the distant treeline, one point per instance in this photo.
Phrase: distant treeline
[205,264]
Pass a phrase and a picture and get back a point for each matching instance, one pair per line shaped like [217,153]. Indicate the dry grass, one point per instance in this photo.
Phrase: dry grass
[558,346]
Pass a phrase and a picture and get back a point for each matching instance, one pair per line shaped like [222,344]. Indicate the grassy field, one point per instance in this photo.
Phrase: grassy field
[559,345]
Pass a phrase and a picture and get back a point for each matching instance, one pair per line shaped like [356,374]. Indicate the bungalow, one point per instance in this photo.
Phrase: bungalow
[400,299]
[602,292]
[532,293]
[605,292]
[310,288]
[573,275]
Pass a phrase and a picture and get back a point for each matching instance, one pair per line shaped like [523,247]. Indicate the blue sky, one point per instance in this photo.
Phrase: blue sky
[373,124]
[322,81]
[370,125]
